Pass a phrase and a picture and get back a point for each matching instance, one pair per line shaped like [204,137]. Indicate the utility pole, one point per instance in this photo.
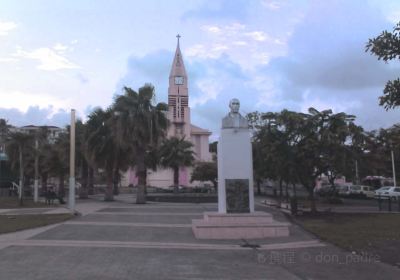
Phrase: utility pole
[394,171]
[36,183]
[21,175]
[357,178]
[71,200]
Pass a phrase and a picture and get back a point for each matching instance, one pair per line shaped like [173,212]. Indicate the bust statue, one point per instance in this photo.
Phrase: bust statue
[234,119]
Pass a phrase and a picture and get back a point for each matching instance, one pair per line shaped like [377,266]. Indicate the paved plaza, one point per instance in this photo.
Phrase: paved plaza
[122,240]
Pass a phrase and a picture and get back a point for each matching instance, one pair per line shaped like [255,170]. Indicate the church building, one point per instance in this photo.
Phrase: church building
[180,126]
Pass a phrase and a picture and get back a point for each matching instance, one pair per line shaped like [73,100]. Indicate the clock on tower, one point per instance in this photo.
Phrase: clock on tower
[178,80]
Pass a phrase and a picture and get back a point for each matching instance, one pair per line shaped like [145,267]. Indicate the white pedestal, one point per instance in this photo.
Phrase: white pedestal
[235,161]
[254,225]
[236,218]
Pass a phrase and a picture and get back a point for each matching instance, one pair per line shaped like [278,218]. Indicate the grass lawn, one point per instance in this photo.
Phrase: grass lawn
[11,223]
[377,234]
[13,202]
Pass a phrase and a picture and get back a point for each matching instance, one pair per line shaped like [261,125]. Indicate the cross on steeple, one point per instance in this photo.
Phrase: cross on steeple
[178,69]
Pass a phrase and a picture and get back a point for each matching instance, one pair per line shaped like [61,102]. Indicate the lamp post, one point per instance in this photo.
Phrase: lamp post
[357,176]
[36,182]
[71,200]
[394,171]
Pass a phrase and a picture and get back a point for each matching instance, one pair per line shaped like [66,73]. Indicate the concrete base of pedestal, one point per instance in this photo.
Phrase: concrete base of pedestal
[254,225]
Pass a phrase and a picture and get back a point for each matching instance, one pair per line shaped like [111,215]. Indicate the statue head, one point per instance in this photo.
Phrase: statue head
[234,104]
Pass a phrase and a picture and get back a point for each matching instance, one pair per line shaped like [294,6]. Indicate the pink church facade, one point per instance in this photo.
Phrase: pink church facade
[180,126]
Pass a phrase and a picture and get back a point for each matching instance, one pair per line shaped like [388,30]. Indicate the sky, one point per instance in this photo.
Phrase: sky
[56,55]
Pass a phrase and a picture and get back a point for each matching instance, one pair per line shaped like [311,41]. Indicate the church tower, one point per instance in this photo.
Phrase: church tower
[178,98]
[180,126]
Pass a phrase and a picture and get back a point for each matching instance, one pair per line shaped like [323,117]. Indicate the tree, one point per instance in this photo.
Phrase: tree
[140,127]
[387,47]
[101,146]
[81,133]
[293,147]
[4,131]
[273,141]
[41,141]
[58,160]
[377,151]
[334,135]
[213,147]
[175,153]
[205,171]
[17,147]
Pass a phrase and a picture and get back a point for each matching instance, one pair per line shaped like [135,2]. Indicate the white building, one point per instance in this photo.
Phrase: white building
[52,131]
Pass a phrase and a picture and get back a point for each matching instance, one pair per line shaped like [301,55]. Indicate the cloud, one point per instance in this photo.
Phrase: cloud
[152,68]
[60,47]
[271,5]
[8,59]
[212,29]
[249,47]
[6,27]
[36,116]
[9,98]
[394,16]
[257,35]
[240,43]
[218,9]
[82,78]
[203,51]
[326,65]
[48,58]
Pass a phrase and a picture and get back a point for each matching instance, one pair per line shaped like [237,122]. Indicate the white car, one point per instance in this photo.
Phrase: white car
[357,191]
[366,191]
[388,192]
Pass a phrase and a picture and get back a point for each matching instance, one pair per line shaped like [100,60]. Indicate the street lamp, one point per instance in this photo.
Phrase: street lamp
[36,182]
[71,200]
[393,167]
[394,171]
[357,176]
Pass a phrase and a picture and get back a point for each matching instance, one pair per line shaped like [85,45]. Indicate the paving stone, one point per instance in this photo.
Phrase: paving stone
[64,251]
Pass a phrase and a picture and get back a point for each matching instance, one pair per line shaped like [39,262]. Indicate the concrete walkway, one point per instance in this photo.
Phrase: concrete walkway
[122,240]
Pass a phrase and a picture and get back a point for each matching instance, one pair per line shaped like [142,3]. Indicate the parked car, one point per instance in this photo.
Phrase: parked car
[367,191]
[357,191]
[388,192]
[350,191]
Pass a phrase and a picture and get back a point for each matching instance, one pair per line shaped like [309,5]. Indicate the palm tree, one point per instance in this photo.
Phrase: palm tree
[100,146]
[58,156]
[4,130]
[82,157]
[18,144]
[140,127]
[175,153]
[103,151]
[41,141]
[45,164]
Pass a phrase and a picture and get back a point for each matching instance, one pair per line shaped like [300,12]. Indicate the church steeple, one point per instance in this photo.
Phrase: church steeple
[178,97]
[178,67]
